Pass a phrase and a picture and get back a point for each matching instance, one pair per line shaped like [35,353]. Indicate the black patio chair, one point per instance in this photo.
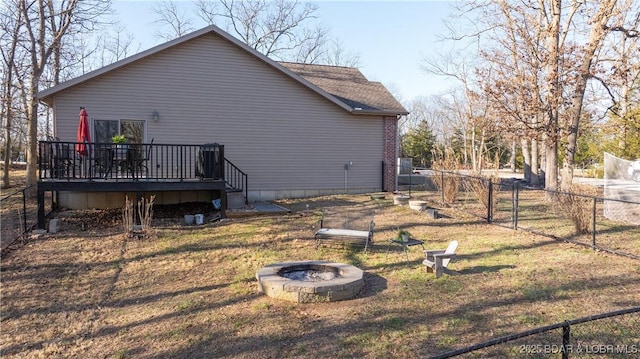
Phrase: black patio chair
[65,164]
[104,161]
[137,158]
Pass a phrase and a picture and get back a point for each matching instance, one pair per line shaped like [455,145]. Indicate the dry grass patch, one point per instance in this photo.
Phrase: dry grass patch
[192,291]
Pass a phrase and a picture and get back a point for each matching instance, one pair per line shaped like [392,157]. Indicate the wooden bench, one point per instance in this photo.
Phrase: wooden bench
[356,225]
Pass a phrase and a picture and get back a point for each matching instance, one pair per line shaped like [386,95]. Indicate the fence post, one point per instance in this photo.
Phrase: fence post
[410,177]
[442,189]
[382,177]
[41,215]
[566,339]
[513,204]
[516,204]
[593,229]
[490,202]
[24,211]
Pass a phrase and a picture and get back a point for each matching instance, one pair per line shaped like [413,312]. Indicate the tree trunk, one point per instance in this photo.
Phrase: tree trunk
[535,165]
[512,158]
[32,136]
[596,37]
[46,28]
[474,151]
[6,183]
[551,165]
[7,87]
[526,160]
[554,95]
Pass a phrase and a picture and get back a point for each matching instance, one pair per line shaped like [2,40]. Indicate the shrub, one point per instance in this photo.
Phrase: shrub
[447,183]
[577,206]
[145,213]
[479,186]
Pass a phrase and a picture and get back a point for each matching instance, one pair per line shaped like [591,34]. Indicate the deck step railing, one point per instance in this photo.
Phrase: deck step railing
[236,179]
[77,161]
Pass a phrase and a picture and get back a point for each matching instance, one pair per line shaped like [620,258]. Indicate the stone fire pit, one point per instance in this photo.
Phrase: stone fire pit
[310,281]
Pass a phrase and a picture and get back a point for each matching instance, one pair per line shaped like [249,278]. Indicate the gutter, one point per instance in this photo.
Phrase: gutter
[359,111]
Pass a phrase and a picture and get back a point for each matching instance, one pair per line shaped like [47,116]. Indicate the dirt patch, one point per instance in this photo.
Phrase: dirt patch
[92,221]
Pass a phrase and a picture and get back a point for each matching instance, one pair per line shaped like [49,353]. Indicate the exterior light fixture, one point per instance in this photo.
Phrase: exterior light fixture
[155,116]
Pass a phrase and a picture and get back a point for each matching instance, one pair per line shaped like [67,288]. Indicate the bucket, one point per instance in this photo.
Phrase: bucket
[188,219]
[418,205]
[199,218]
[53,226]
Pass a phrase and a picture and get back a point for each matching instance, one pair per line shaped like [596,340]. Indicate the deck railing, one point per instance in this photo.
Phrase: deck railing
[237,179]
[76,161]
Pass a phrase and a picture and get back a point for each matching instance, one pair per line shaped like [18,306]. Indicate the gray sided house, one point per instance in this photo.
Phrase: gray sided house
[291,130]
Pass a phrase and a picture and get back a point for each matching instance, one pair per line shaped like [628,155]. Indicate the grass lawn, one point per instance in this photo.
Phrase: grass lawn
[191,292]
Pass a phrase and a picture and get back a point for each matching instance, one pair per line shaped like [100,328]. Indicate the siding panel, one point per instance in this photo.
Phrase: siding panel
[283,135]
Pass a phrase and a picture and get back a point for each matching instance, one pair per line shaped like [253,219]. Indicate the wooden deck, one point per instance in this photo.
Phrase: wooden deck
[147,167]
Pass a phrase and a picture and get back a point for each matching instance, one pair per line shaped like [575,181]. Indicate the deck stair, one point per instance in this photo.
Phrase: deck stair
[236,182]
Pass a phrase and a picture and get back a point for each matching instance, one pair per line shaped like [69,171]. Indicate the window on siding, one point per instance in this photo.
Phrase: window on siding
[133,130]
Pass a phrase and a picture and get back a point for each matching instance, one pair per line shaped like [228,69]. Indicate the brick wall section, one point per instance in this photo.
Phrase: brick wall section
[390,152]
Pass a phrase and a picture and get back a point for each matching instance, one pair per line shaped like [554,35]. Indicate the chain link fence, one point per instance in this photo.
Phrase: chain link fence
[575,217]
[609,335]
[19,212]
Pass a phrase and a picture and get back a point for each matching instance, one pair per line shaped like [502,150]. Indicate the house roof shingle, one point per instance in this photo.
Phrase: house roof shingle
[349,85]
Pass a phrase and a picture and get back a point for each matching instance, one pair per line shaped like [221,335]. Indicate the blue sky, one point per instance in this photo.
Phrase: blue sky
[391,38]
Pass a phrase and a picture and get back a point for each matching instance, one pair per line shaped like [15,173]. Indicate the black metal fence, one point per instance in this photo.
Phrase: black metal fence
[610,335]
[19,213]
[574,217]
[60,160]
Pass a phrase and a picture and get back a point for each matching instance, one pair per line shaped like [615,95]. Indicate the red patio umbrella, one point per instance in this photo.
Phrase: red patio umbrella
[83,133]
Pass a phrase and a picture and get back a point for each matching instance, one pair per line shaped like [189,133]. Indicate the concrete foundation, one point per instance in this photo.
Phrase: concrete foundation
[235,200]
[265,196]
[104,200]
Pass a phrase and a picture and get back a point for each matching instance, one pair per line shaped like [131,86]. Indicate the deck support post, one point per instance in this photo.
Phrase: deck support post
[41,224]
[223,204]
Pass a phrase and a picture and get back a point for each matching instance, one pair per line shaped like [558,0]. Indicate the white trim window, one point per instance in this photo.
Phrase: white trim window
[104,130]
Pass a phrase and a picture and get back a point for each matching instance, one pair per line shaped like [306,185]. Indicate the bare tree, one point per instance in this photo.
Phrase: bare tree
[599,21]
[11,23]
[513,90]
[337,55]
[45,24]
[313,48]
[169,15]
[281,29]
[619,74]
[419,111]
[474,108]
[327,52]
[273,28]
[41,44]
[537,58]
[118,45]
[445,117]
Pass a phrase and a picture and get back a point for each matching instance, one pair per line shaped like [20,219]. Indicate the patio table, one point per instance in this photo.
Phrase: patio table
[409,243]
